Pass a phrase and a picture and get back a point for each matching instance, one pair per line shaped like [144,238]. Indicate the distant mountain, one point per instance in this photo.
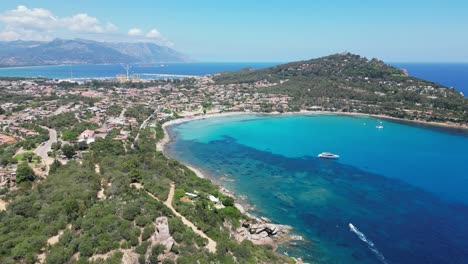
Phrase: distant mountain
[347,82]
[81,51]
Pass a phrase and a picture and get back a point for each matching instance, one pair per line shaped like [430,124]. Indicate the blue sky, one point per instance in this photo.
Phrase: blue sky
[241,30]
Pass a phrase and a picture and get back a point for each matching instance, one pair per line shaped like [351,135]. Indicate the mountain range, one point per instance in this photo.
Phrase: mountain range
[82,51]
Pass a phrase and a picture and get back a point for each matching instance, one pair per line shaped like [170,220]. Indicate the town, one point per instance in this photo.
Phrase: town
[49,128]
[40,119]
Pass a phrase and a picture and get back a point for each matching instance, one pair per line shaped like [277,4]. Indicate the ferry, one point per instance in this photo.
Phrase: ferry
[328,155]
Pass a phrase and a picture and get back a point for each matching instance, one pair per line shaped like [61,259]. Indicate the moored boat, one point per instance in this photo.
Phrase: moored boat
[328,155]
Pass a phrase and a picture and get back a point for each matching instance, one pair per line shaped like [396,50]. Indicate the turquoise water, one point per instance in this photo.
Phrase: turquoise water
[403,188]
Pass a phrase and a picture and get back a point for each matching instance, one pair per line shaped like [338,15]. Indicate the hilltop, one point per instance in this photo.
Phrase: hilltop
[347,82]
[82,51]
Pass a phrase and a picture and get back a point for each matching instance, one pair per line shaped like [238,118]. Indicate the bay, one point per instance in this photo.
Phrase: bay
[402,188]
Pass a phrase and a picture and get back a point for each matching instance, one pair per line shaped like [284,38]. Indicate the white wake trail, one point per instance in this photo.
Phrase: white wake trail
[369,243]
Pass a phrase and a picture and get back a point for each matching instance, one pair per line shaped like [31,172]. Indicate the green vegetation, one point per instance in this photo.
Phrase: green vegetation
[60,121]
[7,151]
[350,83]
[24,173]
[73,133]
[114,110]
[140,112]
[31,141]
[38,213]
[68,150]
[68,197]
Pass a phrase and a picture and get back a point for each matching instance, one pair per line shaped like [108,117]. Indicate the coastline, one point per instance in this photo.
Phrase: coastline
[250,229]
[242,205]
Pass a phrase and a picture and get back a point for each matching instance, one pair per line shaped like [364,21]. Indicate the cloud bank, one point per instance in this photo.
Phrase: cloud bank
[40,24]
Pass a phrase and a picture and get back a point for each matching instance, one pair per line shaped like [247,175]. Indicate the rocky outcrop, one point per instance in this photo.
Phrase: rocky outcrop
[262,232]
[162,236]
[129,257]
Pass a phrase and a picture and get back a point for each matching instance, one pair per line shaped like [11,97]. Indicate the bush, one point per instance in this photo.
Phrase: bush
[157,250]
[142,220]
[24,173]
[130,213]
[148,231]
[142,248]
[168,261]
[68,150]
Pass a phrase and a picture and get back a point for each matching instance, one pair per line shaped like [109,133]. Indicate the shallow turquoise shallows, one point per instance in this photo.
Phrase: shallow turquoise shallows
[398,194]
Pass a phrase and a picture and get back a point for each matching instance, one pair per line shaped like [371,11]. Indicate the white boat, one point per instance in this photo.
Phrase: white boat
[379,126]
[328,155]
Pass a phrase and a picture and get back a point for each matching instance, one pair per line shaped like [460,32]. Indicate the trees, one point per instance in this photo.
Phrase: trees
[28,156]
[24,173]
[55,166]
[68,150]
[56,145]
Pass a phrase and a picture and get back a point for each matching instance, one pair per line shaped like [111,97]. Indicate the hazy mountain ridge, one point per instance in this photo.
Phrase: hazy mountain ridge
[81,51]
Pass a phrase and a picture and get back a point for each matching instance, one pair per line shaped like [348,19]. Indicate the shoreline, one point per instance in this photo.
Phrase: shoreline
[243,206]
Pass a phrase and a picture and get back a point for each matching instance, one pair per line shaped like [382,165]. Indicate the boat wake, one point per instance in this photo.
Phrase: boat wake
[369,243]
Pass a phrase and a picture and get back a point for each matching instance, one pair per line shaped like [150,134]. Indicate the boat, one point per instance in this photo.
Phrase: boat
[379,126]
[328,155]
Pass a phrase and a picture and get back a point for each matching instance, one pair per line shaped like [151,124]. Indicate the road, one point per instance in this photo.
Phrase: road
[143,126]
[45,147]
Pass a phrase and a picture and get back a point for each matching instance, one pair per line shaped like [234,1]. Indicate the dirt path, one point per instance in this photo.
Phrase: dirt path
[211,243]
[100,194]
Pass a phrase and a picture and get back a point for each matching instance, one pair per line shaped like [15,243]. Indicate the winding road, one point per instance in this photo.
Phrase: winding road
[45,147]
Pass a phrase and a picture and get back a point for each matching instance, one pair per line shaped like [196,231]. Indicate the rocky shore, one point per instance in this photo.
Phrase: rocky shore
[259,230]
[262,232]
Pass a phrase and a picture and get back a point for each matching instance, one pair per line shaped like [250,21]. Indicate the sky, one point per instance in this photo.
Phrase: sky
[260,31]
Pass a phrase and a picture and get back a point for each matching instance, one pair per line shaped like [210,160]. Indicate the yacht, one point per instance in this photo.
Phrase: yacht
[328,155]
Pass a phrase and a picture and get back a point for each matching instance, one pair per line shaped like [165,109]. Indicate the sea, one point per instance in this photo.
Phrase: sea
[449,74]
[397,194]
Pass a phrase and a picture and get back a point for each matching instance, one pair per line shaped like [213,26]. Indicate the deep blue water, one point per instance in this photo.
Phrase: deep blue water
[403,188]
[449,74]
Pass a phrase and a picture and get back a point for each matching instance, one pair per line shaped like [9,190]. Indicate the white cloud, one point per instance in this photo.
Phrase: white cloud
[86,23]
[154,33]
[41,24]
[135,32]
[37,19]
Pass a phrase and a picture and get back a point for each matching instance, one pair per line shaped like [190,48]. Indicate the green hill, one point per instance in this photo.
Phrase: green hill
[350,83]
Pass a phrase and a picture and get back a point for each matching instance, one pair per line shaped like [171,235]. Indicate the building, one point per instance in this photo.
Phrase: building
[87,135]
[4,139]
